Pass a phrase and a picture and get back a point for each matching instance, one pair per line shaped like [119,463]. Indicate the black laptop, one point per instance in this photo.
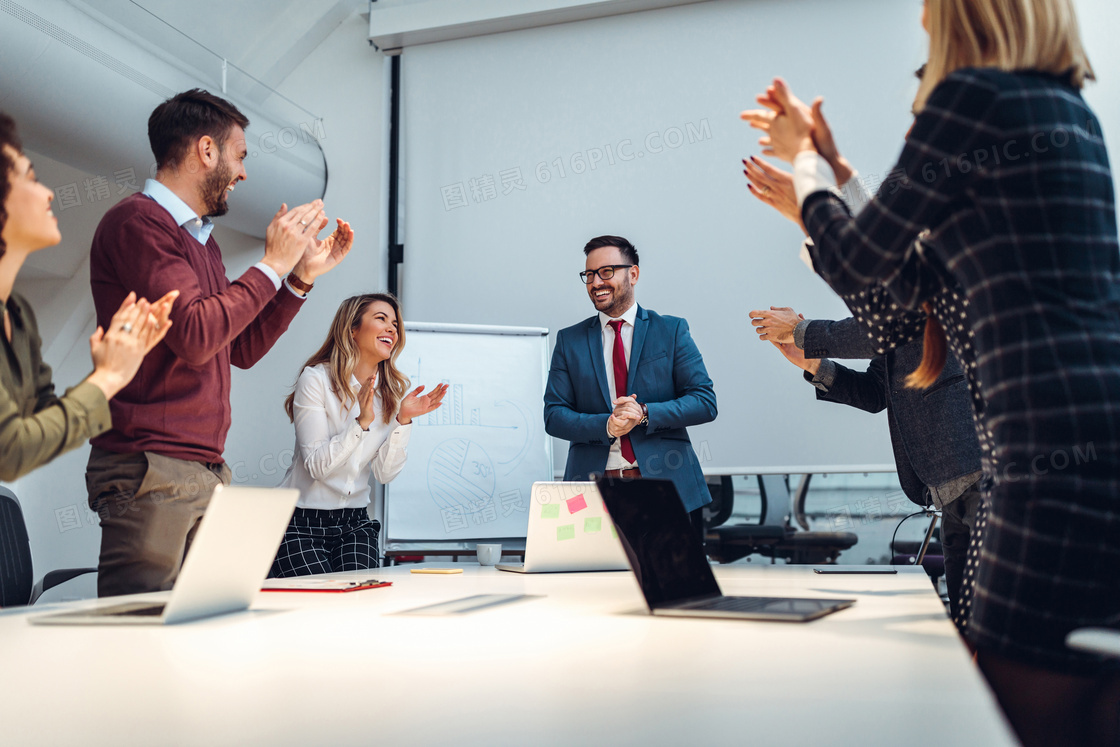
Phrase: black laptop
[669,560]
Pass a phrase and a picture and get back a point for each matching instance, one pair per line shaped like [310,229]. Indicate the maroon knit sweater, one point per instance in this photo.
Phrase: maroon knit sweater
[178,403]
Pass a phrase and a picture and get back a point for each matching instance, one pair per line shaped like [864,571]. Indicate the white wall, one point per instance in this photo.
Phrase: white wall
[546,105]
[343,82]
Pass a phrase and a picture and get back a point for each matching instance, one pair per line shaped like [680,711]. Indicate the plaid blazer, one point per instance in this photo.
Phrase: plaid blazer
[1010,174]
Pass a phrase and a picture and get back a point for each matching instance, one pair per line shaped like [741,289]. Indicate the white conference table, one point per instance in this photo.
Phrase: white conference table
[585,664]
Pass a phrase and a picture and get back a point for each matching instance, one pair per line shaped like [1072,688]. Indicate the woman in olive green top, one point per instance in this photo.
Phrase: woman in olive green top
[35,424]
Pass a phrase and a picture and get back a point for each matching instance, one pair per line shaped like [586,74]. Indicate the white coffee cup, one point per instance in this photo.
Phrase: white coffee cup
[488,554]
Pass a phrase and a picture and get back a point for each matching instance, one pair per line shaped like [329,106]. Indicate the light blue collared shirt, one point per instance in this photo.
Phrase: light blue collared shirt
[181,212]
[189,220]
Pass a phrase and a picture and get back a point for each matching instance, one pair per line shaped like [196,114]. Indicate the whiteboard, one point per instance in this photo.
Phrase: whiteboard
[472,463]
[629,125]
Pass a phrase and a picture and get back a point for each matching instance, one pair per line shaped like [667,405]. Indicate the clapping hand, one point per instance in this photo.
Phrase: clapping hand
[321,255]
[796,356]
[786,120]
[286,238]
[160,319]
[777,324]
[792,126]
[774,187]
[118,351]
[414,405]
[366,394]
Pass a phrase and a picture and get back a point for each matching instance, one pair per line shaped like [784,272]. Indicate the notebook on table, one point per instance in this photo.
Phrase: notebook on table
[232,551]
[669,562]
[569,531]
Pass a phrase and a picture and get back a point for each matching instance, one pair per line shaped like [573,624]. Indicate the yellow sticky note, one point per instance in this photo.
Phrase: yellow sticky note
[437,570]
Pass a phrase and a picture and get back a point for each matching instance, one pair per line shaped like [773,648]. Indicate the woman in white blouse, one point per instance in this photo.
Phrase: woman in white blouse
[352,418]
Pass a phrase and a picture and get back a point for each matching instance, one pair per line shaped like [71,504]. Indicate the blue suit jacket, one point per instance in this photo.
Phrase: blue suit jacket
[668,375]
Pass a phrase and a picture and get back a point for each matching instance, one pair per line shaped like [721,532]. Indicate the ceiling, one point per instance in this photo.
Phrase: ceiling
[262,39]
[266,39]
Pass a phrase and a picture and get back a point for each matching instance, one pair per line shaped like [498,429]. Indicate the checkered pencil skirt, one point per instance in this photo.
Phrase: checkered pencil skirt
[321,541]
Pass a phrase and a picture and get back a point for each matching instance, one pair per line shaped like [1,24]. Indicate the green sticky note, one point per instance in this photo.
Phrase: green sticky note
[593,525]
[614,532]
[566,532]
[550,511]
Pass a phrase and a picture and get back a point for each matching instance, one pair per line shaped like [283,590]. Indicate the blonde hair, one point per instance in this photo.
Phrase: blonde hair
[341,353]
[1009,35]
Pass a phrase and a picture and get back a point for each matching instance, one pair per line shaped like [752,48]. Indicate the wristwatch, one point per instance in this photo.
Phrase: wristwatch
[300,285]
[645,416]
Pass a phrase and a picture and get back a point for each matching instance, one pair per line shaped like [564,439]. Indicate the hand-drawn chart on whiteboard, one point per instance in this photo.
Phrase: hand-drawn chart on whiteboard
[471,463]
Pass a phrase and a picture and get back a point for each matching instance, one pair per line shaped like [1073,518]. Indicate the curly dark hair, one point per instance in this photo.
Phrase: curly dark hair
[8,136]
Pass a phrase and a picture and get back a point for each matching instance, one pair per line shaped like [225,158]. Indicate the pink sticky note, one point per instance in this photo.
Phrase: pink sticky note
[577,504]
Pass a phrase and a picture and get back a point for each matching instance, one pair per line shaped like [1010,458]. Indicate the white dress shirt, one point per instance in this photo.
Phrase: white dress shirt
[811,173]
[854,193]
[334,457]
[614,459]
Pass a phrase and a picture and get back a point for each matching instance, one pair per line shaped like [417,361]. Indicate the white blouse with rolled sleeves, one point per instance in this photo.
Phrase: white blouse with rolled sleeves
[334,457]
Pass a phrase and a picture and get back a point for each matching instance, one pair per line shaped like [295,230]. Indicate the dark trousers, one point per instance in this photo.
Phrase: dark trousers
[150,506]
[958,522]
[323,541]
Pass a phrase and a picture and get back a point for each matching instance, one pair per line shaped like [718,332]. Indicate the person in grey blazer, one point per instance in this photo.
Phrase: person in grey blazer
[935,446]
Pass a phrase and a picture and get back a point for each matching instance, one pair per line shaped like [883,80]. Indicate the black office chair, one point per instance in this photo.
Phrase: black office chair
[773,537]
[16,572]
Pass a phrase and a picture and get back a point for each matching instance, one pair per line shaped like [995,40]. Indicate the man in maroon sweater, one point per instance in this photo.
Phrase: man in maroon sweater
[150,478]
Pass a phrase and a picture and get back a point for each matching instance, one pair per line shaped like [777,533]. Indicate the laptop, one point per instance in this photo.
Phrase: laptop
[569,531]
[232,551]
[669,561]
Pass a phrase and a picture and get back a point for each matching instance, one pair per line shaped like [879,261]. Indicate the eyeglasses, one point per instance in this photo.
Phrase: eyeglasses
[606,272]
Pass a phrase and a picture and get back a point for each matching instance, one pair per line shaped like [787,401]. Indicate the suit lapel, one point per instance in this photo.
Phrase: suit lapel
[595,343]
[641,326]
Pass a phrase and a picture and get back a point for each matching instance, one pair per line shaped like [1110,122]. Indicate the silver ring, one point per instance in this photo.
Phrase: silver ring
[126,327]
[303,223]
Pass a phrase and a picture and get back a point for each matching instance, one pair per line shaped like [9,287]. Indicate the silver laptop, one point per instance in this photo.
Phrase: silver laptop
[569,530]
[232,551]
[671,567]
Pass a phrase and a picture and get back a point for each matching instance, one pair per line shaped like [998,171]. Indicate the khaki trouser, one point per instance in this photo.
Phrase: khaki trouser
[150,506]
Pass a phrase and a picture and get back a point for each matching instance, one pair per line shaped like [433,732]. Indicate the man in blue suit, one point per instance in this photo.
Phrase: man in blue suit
[626,383]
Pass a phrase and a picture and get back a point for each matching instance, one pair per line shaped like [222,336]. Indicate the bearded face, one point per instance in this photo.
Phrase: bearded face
[216,188]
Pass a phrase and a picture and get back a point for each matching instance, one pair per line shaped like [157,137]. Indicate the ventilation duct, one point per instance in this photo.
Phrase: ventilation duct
[82,92]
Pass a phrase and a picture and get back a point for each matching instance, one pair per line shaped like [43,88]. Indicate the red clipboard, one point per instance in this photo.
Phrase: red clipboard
[322,586]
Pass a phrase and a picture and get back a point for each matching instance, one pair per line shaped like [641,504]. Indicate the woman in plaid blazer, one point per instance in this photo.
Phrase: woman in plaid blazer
[1007,168]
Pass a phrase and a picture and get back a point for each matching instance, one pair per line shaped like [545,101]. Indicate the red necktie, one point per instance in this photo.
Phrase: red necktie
[619,358]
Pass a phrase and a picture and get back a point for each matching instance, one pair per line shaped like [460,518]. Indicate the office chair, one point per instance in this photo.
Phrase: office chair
[773,537]
[16,572]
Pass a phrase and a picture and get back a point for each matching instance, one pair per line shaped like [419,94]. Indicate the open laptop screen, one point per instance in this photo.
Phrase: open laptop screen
[659,540]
